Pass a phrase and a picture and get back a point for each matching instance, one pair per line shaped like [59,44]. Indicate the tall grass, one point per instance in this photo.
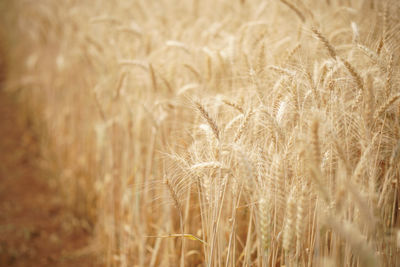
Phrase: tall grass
[218,133]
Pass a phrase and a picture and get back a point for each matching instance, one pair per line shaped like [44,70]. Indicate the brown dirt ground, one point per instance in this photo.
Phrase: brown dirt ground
[36,228]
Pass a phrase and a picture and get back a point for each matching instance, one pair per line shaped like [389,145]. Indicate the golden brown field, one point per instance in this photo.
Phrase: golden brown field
[217,133]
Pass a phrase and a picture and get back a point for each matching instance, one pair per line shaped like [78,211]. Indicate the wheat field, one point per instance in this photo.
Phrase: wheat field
[218,133]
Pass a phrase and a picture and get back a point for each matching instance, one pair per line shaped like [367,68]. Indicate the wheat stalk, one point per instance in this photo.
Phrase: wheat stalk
[295,9]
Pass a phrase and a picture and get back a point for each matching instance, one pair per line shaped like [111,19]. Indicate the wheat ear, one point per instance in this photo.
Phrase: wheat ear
[388,82]
[265,211]
[373,56]
[234,105]
[289,229]
[300,220]
[208,118]
[356,76]
[174,196]
[243,126]
[292,53]
[325,42]
[382,109]
[316,150]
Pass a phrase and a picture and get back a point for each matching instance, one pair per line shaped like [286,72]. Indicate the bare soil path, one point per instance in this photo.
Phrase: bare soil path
[36,228]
